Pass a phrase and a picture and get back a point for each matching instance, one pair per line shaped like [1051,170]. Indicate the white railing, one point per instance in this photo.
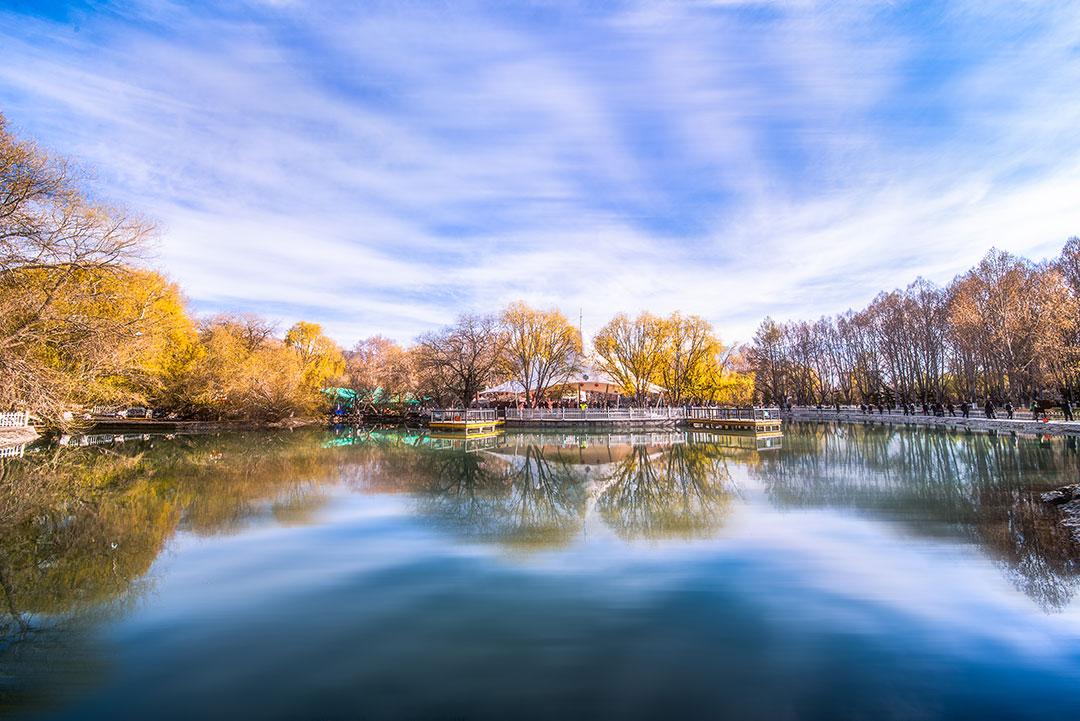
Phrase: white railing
[595,414]
[17,419]
[734,414]
[665,413]
[447,415]
[1019,414]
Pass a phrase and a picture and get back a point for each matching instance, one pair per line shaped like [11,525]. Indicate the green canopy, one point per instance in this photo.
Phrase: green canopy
[340,394]
[347,396]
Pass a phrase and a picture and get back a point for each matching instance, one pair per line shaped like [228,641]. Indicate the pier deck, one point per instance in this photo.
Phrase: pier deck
[746,420]
[466,422]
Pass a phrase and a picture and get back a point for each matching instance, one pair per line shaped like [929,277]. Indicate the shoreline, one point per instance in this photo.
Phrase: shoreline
[998,425]
[180,426]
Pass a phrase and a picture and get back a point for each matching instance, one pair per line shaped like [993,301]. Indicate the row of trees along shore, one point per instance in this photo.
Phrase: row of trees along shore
[1007,330]
[85,322]
[541,349]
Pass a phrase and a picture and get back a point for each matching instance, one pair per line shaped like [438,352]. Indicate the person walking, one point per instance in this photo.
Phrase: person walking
[965,409]
[1009,409]
[989,408]
[1066,409]
[951,408]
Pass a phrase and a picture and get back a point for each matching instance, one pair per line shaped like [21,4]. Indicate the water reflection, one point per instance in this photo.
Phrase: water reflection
[82,523]
[676,491]
[528,499]
[81,526]
[982,487]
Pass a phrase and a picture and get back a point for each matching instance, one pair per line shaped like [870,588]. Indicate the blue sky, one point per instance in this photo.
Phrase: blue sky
[379,167]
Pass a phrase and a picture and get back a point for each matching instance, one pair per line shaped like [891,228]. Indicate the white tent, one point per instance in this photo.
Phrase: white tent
[504,389]
[589,378]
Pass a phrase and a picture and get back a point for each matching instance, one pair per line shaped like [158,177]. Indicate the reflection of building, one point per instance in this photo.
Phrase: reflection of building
[744,441]
[456,442]
[413,439]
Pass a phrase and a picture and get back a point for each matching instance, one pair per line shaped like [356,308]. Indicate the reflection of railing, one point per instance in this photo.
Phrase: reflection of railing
[594,414]
[746,440]
[734,414]
[460,415]
[12,451]
[99,439]
[485,443]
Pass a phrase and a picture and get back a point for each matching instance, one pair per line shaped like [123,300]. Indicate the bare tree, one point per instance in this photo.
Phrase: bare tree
[63,311]
[462,359]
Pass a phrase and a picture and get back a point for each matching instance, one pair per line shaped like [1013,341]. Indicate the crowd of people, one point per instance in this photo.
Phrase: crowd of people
[1039,411]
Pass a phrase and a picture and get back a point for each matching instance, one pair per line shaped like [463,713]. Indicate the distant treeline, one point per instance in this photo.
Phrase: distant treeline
[85,325]
[1006,330]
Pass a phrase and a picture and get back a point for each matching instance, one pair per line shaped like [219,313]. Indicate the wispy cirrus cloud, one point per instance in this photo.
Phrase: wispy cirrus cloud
[380,168]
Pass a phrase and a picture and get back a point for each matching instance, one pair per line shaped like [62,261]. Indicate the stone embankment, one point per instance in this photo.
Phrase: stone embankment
[1067,499]
[1000,425]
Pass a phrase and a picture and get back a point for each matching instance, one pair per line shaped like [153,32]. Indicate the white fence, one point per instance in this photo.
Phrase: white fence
[640,414]
[455,415]
[595,414]
[17,419]
[734,414]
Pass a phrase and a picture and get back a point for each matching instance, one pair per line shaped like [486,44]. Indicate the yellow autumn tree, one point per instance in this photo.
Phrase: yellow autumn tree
[690,352]
[633,352]
[320,357]
[540,350]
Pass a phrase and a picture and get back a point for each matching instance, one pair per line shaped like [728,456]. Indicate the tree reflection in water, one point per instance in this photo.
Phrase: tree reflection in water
[681,491]
[984,487]
[538,492]
[525,500]
[80,528]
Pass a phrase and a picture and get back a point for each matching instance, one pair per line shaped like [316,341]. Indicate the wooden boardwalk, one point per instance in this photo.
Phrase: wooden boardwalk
[1019,425]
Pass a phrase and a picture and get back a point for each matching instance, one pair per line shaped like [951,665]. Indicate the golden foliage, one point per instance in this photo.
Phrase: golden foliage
[540,349]
[679,356]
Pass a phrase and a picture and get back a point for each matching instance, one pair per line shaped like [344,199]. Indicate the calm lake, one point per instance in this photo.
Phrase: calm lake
[847,572]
